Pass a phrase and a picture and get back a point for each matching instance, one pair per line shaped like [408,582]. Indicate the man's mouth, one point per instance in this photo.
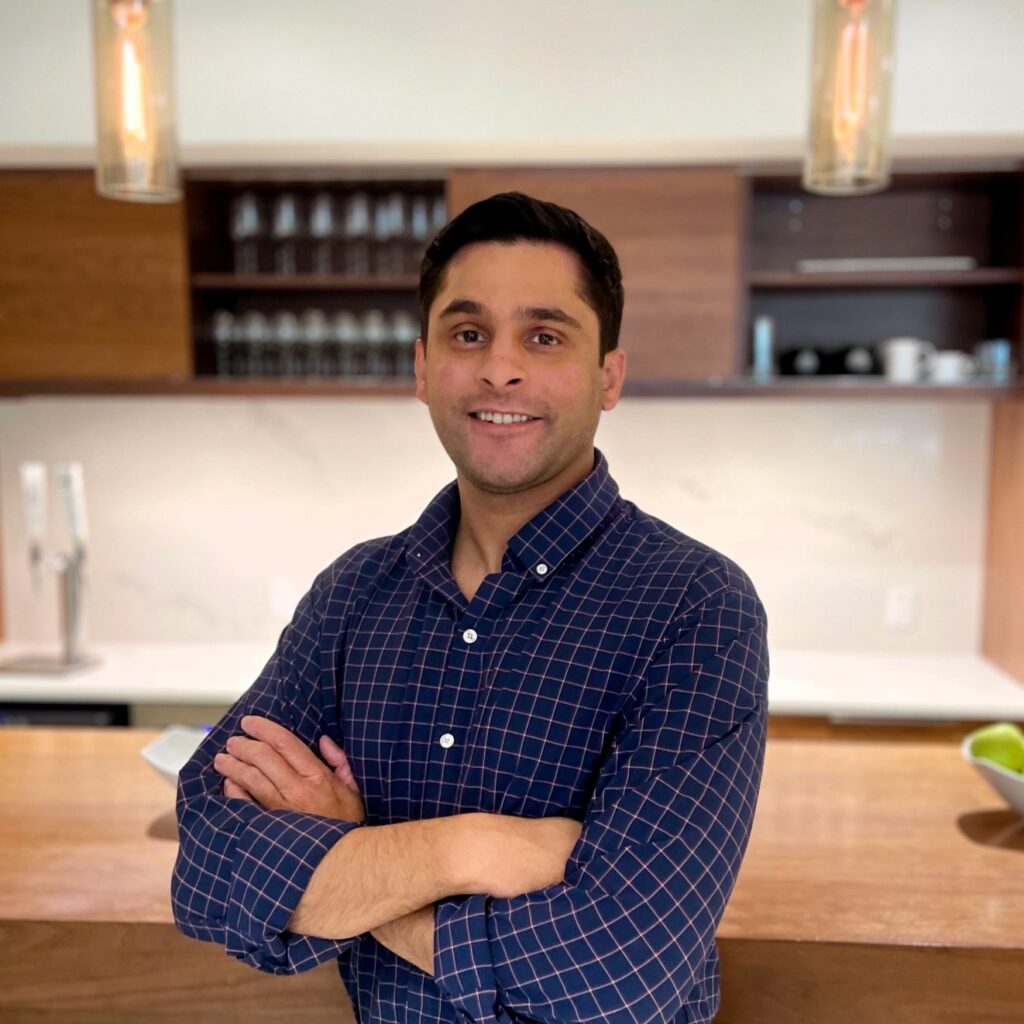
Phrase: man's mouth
[502,418]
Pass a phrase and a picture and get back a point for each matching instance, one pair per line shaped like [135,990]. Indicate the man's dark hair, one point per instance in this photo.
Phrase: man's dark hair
[511,217]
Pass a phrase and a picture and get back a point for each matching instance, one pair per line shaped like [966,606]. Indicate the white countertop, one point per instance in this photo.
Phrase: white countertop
[853,686]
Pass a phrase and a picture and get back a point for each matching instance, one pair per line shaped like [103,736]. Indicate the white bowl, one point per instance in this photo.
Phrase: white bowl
[1009,785]
[169,752]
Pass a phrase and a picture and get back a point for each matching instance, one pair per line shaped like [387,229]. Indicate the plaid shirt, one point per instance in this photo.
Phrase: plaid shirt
[614,671]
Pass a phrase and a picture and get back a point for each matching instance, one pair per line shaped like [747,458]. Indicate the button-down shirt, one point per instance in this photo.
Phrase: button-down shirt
[613,671]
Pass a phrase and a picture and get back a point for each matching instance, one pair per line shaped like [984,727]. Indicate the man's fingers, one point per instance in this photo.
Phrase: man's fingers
[263,756]
[334,754]
[336,757]
[234,790]
[251,779]
[286,744]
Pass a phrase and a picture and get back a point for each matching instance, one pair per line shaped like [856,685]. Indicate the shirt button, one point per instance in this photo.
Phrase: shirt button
[541,569]
[447,740]
[469,636]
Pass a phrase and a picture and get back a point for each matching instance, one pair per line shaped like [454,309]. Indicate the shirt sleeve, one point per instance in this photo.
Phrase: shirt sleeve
[628,934]
[241,869]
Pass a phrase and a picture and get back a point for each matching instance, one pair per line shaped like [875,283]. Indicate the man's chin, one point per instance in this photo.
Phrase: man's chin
[495,477]
[493,482]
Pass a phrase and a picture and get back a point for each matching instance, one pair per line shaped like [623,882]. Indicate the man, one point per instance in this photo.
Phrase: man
[542,711]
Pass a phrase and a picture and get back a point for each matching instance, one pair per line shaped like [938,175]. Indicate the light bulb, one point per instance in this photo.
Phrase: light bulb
[848,137]
[136,145]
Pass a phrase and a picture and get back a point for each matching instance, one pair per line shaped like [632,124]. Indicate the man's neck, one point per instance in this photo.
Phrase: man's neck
[487,520]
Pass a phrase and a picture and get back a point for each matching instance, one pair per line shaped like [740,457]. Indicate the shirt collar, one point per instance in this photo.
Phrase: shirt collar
[541,545]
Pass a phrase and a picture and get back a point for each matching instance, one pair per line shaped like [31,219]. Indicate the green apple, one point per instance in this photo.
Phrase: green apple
[1002,743]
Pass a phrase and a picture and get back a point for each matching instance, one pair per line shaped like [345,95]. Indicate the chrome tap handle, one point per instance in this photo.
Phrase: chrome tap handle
[71,573]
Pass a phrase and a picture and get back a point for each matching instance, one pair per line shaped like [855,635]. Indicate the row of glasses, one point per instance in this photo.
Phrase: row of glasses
[357,234]
[314,345]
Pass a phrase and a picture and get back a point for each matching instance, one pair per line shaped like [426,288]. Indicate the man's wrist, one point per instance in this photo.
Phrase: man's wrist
[377,873]
[411,937]
[457,858]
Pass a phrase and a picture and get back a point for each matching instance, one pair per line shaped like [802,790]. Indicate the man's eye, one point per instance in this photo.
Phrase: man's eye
[469,330]
[552,340]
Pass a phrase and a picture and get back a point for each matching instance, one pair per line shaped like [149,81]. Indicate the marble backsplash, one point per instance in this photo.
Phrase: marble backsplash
[209,516]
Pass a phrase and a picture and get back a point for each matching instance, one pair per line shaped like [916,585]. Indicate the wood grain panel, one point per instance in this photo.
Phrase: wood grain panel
[677,233]
[833,983]
[813,727]
[89,287]
[900,845]
[882,882]
[1003,629]
[117,973]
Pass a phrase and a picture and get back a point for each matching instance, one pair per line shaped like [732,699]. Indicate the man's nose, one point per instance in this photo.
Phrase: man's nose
[502,363]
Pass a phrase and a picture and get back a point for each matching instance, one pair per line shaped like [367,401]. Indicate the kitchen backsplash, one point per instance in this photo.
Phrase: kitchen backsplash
[209,517]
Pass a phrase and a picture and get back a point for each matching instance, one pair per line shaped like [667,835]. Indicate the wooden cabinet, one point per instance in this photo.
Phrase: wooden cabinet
[678,235]
[102,296]
[1003,625]
[90,288]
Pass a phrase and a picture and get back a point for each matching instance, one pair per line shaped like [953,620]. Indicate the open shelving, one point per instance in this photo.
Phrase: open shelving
[931,213]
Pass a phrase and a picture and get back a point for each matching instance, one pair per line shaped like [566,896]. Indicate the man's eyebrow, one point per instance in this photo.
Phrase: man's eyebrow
[474,308]
[547,313]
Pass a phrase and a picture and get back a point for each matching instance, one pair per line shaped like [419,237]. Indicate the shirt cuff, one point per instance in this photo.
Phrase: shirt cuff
[463,968]
[275,857]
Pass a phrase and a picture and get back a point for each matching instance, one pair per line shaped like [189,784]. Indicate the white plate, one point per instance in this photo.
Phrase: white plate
[169,752]
[1009,785]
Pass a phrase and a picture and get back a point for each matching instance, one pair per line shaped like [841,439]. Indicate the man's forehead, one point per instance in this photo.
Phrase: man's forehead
[468,287]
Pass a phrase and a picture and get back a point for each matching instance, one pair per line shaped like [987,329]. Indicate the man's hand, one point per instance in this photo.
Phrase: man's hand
[275,769]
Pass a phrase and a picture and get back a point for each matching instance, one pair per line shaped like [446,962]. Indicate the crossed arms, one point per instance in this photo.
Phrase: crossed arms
[386,879]
[624,931]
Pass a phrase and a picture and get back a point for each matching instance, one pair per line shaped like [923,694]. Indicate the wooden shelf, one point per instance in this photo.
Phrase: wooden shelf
[888,279]
[733,387]
[370,387]
[814,387]
[303,282]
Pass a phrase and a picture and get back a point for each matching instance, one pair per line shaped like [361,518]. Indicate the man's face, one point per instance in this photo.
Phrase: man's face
[509,333]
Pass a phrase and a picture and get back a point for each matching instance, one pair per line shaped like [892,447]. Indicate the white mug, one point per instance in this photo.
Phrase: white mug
[951,367]
[906,359]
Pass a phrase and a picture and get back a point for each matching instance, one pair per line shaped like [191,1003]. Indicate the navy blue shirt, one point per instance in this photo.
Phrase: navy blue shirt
[614,671]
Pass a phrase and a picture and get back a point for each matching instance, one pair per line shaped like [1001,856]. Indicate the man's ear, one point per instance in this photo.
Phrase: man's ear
[613,376]
[421,370]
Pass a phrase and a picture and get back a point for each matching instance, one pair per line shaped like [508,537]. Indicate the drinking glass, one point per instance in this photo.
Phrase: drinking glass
[285,230]
[377,334]
[356,234]
[314,332]
[347,331]
[439,214]
[419,230]
[398,242]
[405,331]
[286,334]
[322,230]
[222,331]
[247,224]
[381,237]
[255,334]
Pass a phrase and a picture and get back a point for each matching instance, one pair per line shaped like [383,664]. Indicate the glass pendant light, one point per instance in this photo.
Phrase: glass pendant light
[137,152]
[848,140]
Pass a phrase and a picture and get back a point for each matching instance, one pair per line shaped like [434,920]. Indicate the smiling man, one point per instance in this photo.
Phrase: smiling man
[502,765]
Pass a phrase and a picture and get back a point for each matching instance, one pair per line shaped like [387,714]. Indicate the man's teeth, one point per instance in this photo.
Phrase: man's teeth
[502,417]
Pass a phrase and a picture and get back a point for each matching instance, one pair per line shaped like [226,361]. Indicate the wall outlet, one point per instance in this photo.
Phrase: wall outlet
[901,606]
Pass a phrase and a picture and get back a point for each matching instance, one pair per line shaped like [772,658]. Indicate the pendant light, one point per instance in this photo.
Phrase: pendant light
[136,148]
[848,140]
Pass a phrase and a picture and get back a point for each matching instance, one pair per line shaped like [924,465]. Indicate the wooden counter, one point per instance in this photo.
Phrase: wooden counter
[883,882]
